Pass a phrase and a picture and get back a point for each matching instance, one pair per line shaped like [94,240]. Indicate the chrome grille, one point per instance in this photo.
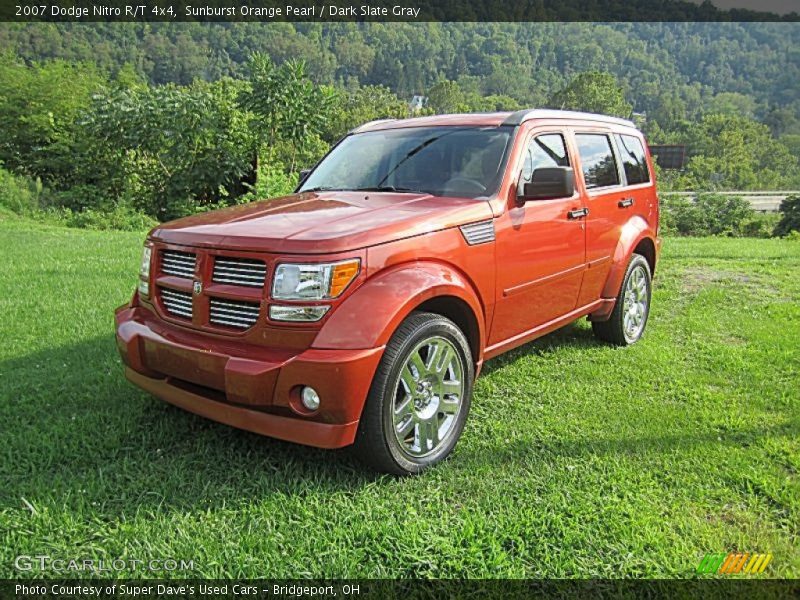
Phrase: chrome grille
[179,264]
[177,304]
[233,313]
[239,271]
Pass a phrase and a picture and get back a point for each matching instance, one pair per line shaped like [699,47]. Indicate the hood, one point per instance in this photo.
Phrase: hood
[324,222]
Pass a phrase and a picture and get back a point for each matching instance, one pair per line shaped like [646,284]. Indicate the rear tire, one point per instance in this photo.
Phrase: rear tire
[629,317]
[419,399]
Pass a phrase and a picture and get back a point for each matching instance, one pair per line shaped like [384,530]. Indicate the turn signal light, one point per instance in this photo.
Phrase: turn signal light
[343,274]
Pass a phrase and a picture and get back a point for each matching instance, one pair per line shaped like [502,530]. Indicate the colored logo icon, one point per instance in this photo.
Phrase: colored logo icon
[734,562]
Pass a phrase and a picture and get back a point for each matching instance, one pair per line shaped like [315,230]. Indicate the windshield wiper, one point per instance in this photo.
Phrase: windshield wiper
[414,151]
[322,188]
[388,188]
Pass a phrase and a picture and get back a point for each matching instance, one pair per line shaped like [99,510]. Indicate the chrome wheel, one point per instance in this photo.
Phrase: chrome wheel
[428,396]
[634,305]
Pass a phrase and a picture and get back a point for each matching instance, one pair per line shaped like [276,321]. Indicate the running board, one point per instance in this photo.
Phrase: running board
[545,328]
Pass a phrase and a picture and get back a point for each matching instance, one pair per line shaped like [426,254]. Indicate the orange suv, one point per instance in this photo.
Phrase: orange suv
[360,309]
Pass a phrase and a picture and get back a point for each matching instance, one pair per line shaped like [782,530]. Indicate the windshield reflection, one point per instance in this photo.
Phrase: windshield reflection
[443,161]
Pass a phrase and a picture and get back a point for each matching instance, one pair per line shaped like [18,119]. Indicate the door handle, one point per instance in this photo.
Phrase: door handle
[625,203]
[578,213]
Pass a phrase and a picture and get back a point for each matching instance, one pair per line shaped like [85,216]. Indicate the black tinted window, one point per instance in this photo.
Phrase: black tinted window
[597,160]
[546,150]
[632,155]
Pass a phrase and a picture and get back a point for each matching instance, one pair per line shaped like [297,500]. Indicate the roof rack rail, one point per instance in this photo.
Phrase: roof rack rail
[526,114]
[370,123]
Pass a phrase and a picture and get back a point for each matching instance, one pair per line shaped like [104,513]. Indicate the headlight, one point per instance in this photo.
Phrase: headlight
[144,271]
[318,281]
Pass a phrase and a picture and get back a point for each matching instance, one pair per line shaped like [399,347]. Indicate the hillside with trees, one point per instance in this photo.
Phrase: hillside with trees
[669,70]
[167,119]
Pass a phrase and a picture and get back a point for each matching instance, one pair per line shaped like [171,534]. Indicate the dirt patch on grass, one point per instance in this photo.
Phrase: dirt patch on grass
[697,278]
[759,288]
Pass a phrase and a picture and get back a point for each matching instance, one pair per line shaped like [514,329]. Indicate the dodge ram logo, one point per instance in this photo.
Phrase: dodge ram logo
[198,287]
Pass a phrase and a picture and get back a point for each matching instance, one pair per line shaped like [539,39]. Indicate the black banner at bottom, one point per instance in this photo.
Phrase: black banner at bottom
[369,589]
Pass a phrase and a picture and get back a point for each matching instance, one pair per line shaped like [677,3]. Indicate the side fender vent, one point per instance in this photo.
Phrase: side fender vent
[478,233]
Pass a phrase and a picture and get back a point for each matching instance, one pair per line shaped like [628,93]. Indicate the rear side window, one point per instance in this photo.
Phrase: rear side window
[548,150]
[597,160]
[633,161]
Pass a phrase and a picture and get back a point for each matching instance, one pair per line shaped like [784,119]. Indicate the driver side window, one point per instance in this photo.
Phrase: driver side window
[548,150]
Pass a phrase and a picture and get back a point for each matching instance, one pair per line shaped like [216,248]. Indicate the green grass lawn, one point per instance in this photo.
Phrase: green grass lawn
[578,460]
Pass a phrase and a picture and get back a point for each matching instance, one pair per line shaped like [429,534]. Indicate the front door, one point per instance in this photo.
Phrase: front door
[540,250]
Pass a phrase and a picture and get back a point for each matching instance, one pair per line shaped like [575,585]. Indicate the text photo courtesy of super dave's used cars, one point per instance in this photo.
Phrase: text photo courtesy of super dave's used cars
[359,310]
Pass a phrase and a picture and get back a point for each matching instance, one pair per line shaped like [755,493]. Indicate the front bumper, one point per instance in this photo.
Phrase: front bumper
[250,387]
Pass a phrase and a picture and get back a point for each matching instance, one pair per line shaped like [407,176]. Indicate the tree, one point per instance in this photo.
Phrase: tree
[447,97]
[494,103]
[732,103]
[286,106]
[355,57]
[593,91]
[359,105]
[170,148]
[790,216]
[666,111]
[782,121]
[732,152]
[39,106]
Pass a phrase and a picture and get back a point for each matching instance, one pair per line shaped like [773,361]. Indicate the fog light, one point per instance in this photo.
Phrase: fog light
[144,287]
[310,398]
[297,313]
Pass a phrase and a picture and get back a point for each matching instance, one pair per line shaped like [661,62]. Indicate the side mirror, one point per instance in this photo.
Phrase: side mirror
[548,183]
[304,173]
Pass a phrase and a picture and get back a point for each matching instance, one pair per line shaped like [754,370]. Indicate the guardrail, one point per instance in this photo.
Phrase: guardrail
[760,201]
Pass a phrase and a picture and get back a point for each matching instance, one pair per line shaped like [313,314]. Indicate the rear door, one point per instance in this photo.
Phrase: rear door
[639,195]
[601,179]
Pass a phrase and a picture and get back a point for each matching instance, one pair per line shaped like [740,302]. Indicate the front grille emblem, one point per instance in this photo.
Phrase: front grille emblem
[198,287]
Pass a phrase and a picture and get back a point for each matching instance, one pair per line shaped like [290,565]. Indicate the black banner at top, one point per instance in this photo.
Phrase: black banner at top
[394,10]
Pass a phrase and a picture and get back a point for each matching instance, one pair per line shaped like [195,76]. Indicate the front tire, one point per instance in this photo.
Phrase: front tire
[629,317]
[419,399]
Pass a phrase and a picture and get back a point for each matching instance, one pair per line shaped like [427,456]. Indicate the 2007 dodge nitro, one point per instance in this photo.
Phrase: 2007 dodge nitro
[360,309]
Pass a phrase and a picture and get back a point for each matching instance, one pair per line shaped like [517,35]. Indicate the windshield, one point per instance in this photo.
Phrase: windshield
[443,161]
